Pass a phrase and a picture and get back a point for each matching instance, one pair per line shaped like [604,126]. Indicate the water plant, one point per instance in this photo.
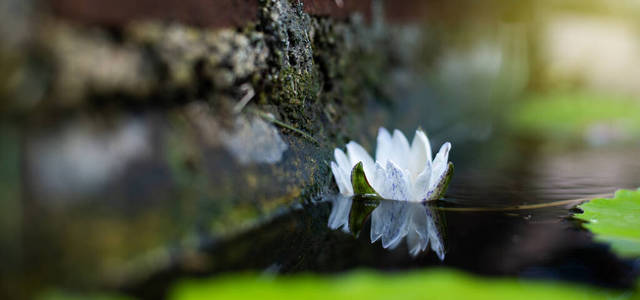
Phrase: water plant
[615,221]
[400,171]
[393,190]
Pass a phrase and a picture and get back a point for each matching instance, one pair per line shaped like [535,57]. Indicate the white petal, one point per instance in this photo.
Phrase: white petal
[440,165]
[421,185]
[414,243]
[342,160]
[342,180]
[418,235]
[437,245]
[435,236]
[401,150]
[378,179]
[384,146]
[339,218]
[396,185]
[377,224]
[393,243]
[357,154]
[420,153]
[389,222]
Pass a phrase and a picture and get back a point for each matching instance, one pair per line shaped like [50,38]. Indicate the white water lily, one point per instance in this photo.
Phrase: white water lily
[392,221]
[401,171]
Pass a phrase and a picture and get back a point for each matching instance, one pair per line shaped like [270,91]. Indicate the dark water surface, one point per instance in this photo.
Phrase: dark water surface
[533,243]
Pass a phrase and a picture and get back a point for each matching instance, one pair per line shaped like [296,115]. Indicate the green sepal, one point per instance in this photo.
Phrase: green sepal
[361,208]
[360,183]
[366,199]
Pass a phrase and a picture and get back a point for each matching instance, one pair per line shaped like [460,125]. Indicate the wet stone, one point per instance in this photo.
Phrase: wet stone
[131,186]
[254,140]
[142,142]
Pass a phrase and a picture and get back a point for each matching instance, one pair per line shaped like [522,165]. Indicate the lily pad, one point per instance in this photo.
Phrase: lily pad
[615,221]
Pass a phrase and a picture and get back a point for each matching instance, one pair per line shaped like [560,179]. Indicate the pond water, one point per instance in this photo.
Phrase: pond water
[497,219]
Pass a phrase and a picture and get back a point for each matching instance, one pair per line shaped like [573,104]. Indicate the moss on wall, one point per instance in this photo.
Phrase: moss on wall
[309,78]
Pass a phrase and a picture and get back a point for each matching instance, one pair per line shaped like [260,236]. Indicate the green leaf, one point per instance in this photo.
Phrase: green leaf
[360,183]
[615,221]
[361,208]
[441,188]
[430,284]
[366,199]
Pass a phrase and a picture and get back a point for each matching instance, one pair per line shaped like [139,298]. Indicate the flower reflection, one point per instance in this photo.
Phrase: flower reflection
[339,217]
[391,221]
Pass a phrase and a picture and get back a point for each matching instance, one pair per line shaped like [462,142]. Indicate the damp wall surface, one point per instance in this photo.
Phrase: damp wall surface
[130,130]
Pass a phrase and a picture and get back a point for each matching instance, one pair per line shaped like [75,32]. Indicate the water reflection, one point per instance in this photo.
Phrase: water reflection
[391,222]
